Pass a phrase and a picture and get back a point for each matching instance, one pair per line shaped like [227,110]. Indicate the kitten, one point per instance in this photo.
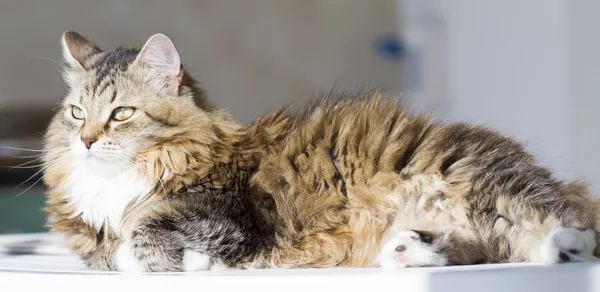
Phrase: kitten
[145,174]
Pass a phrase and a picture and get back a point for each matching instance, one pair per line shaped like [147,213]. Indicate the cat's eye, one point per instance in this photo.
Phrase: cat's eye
[122,113]
[77,112]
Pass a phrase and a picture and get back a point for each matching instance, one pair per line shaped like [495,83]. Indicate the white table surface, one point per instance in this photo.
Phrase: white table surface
[52,268]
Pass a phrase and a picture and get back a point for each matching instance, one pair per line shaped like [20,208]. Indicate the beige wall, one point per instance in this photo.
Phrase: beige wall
[253,56]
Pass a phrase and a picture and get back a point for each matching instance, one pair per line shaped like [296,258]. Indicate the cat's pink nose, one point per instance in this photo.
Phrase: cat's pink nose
[88,141]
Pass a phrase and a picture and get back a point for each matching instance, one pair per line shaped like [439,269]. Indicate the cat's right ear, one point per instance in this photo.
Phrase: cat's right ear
[160,65]
[77,49]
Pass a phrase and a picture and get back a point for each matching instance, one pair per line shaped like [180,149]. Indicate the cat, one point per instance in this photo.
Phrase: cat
[145,174]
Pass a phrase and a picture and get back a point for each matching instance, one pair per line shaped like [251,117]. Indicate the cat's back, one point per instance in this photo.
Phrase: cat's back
[317,165]
[360,133]
[341,168]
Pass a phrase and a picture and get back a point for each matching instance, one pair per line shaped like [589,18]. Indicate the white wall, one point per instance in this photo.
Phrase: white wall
[252,56]
[585,57]
[513,65]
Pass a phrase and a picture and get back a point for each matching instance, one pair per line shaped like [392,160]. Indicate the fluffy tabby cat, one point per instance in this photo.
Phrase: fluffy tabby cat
[145,174]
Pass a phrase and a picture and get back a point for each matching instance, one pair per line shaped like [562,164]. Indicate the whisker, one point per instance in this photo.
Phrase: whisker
[26,163]
[34,150]
[44,58]
[38,156]
[23,167]
[37,181]
[43,168]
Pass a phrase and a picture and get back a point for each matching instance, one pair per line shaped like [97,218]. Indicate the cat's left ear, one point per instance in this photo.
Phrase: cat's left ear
[160,65]
[77,49]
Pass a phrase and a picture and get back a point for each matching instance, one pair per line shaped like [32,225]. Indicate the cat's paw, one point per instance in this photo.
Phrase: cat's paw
[410,249]
[126,260]
[195,261]
[568,245]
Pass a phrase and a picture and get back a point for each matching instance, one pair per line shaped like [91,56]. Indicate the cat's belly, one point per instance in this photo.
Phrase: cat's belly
[390,203]
[352,236]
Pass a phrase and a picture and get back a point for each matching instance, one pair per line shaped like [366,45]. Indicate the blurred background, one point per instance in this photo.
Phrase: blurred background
[526,68]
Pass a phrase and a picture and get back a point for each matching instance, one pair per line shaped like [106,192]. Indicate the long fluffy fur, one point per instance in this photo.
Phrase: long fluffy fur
[318,187]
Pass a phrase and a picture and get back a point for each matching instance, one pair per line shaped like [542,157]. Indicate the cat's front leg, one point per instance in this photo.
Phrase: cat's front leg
[154,247]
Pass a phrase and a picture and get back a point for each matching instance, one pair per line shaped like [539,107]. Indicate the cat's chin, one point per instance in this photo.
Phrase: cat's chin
[105,168]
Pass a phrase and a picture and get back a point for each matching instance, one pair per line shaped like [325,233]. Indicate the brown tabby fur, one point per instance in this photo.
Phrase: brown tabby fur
[336,178]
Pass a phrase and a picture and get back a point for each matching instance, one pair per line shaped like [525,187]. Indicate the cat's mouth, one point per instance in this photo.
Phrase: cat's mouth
[107,167]
[106,158]
[105,164]
[99,155]
[91,157]
[95,157]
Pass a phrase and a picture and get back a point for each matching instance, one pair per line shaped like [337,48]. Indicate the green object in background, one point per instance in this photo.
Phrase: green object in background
[22,214]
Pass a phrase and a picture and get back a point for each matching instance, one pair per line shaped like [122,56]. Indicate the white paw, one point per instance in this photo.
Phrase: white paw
[126,261]
[195,261]
[218,266]
[568,245]
[409,249]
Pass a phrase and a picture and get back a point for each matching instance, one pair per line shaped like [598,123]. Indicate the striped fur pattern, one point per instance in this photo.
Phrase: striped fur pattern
[325,186]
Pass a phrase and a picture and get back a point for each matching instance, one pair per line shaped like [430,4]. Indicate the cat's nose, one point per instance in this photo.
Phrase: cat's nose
[88,141]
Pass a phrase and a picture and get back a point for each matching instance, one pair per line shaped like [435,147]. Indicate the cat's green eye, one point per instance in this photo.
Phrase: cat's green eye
[77,112]
[122,113]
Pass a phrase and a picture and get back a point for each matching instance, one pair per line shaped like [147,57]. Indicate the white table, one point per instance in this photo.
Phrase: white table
[52,268]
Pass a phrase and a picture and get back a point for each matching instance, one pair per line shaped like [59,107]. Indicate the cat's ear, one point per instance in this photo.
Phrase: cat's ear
[77,49]
[160,65]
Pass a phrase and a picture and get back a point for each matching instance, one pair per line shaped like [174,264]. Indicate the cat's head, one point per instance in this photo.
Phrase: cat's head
[122,102]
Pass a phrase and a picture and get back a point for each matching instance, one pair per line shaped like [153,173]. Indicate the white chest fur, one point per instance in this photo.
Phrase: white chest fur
[100,200]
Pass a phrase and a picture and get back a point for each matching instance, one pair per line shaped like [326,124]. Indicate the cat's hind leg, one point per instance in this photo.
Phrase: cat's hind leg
[416,248]
[568,245]
[410,249]
[547,234]
[571,244]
